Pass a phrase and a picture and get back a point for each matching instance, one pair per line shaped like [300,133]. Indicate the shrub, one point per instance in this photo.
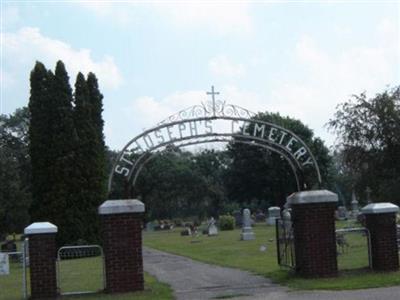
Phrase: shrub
[226,222]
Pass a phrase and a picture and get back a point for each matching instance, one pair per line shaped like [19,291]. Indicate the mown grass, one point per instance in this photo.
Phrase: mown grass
[82,275]
[226,249]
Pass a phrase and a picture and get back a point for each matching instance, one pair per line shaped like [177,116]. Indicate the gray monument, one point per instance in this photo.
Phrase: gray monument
[212,228]
[274,213]
[149,226]
[247,233]
[287,219]
[341,213]
[4,264]
[355,210]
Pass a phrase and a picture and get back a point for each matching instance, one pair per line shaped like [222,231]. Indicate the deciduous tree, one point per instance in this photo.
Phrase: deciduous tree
[368,133]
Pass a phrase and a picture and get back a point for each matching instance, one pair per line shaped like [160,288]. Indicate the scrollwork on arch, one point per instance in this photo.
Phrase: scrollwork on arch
[209,109]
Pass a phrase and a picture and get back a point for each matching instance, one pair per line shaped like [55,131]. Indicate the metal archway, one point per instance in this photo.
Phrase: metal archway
[200,124]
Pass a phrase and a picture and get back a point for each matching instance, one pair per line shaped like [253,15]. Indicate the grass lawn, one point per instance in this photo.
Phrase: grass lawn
[82,275]
[226,249]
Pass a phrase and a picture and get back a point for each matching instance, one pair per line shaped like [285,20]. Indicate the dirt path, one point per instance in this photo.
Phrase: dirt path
[195,280]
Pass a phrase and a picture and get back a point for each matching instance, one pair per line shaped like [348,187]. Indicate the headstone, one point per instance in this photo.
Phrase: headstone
[4,264]
[238,218]
[355,210]
[212,228]
[341,213]
[149,226]
[186,231]
[398,236]
[287,219]
[274,213]
[247,233]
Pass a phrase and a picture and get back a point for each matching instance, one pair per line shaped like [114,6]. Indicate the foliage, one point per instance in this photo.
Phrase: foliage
[67,152]
[118,187]
[52,142]
[369,143]
[182,184]
[15,195]
[89,156]
[226,222]
[259,176]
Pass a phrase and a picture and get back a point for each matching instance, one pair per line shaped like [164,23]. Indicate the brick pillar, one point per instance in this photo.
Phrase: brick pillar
[313,217]
[380,219]
[121,224]
[42,260]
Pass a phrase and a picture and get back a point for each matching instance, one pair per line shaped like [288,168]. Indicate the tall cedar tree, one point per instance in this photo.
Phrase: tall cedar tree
[51,148]
[64,143]
[96,101]
[39,142]
[90,155]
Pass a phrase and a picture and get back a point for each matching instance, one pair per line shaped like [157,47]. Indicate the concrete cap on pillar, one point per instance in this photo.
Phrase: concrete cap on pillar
[317,196]
[380,208]
[111,207]
[41,228]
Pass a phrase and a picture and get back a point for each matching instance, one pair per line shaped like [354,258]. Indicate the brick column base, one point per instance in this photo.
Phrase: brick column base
[380,219]
[313,217]
[42,260]
[121,224]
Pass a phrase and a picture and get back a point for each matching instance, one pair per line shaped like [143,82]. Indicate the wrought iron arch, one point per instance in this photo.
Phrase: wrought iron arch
[183,129]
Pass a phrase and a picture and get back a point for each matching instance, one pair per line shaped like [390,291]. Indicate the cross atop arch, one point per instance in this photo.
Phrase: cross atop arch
[213,93]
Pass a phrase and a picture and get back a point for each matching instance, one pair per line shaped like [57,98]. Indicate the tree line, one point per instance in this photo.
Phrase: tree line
[54,162]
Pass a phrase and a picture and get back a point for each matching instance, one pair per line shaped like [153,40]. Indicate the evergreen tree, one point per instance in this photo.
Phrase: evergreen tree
[90,158]
[63,144]
[96,102]
[68,153]
[40,81]
[52,141]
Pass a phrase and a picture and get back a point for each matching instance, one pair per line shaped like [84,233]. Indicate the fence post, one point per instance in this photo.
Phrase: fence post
[121,225]
[42,260]
[313,217]
[380,220]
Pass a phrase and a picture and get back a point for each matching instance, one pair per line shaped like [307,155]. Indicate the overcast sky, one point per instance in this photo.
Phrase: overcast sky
[298,58]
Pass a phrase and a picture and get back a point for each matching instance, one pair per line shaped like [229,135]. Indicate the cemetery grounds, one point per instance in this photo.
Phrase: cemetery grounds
[257,256]
[228,250]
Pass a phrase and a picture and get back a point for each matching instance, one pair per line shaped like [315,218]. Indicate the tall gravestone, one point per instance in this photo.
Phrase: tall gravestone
[313,218]
[274,213]
[355,211]
[247,232]
[341,213]
[212,229]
